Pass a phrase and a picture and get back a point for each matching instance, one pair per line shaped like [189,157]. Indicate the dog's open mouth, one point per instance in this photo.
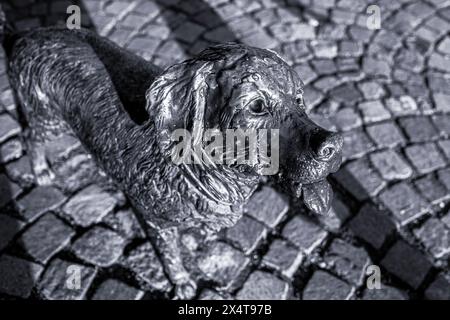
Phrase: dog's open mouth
[317,196]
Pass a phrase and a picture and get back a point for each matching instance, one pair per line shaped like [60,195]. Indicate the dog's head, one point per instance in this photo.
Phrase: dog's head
[233,86]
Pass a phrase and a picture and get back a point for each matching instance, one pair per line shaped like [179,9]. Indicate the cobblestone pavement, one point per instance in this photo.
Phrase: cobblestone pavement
[387,90]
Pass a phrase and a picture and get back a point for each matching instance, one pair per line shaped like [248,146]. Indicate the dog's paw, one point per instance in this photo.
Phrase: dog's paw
[44,177]
[185,289]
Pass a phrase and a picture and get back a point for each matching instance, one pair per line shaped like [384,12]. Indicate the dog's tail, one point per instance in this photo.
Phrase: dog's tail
[8,36]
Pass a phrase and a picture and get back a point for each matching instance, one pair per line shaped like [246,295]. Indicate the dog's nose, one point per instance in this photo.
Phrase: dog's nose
[326,145]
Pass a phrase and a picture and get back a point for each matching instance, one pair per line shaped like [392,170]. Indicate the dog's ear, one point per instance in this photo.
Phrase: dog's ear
[177,100]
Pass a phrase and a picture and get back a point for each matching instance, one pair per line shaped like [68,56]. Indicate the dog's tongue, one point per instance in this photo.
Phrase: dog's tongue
[317,196]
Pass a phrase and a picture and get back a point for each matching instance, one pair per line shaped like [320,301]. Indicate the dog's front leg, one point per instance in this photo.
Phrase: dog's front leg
[168,243]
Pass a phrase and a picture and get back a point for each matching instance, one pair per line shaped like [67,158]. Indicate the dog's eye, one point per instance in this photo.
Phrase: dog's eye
[257,107]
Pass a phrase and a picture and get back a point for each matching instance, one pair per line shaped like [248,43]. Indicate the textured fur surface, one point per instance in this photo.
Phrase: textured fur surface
[123,109]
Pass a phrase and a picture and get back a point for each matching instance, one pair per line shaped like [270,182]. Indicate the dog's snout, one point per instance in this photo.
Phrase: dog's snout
[326,145]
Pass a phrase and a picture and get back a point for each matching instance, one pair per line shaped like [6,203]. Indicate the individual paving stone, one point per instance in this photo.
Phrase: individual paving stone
[99,246]
[45,238]
[444,46]
[347,119]
[385,135]
[223,264]
[360,179]
[57,282]
[267,206]
[435,236]
[373,111]
[18,276]
[247,233]
[283,257]
[348,262]
[384,293]
[441,101]
[8,127]
[371,90]
[11,150]
[404,105]
[9,227]
[425,157]
[356,144]
[444,177]
[189,31]
[445,147]
[350,48]
[125,223]
[404,202]
[433,190]
[375,67]
[305,72]
[346,93]
[8,190]
[326,67]
[146,268]
[406,263]
[419,129]
[264,286]
[373,226]
[442,123]
[324,286]
[89,206]
[112,289]
[439,62]
[259,39]
[324,49]
[40,200]
[304,233]
[439,289]
[20,171]
[391,165]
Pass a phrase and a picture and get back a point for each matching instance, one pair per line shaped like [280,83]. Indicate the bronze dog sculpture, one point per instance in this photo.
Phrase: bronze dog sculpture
[123,109]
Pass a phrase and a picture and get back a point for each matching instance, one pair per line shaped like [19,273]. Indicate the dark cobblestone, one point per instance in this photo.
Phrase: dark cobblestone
[45,238]
[347,119]
[442,123]
[55,283]
[9,227]
[406,263]
[112,289]
[39,201]
[373,111]
[99,246]
[324,286]
[89,206]
[373,226]
[18,276]
[439,289]
[263,286]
